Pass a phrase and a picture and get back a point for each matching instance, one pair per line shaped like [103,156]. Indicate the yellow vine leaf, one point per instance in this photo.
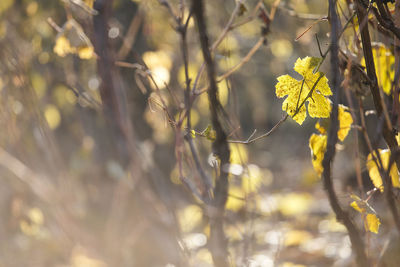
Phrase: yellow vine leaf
[321,129]
[372,223]
[384,65]
[355,206]
[299,91]
[345,122]
[374,170]
[317,145]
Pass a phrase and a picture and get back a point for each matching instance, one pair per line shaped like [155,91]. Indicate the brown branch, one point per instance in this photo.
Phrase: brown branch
[383,18]
[214,46]
[341,215]
[182,29]
[218,241]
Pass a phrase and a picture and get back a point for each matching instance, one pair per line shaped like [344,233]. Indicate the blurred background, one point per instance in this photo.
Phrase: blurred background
[89,173]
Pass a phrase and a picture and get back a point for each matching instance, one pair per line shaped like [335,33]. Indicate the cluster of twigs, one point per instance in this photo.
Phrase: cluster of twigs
[387,117]
[215,196]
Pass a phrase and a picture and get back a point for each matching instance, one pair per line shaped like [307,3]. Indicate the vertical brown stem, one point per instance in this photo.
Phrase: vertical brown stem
[218,242]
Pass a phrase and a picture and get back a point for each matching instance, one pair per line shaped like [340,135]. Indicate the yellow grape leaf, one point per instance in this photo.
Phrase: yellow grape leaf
[384,65]
[317,145]
[374,170]
[321,129]
[345,122]
[298,92]
[355,206]
[372,223]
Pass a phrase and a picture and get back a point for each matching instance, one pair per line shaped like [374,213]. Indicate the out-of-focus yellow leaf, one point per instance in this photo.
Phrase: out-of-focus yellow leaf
[73,40]
[235,200]
[38,84]
[331,225]
[291,264]
[36,216]
[355,206]
[239,154]
[318,147]
[52,116]
[203,256]
[32,8]
[5,4]
[33,227]
[372,223]
[298,91]
[294,203]
[391,6]
[374,170]
[89,3]
[235,232]
[295,237]
[189,217]
[345,122]
[281,48]
[29,229]
[79,258]
[86,52]
[159,64]
[252,179]
[63,47]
